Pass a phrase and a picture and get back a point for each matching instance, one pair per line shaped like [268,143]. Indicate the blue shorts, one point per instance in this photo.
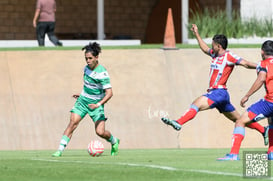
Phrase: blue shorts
[219,99]
[260,110]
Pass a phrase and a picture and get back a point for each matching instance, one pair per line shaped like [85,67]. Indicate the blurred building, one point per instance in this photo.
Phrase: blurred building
[123,19]
[263,9]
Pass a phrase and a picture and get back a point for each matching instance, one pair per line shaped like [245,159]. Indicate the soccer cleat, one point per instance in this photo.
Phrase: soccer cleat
[172,123]
[114,150]
[265,135]
[270,156]
[57,154]
[229,157]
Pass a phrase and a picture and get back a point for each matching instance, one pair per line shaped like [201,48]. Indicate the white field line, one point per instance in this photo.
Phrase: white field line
[168,168]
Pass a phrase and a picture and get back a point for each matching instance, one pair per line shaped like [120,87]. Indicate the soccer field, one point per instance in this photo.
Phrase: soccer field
[142,164]
[130,164]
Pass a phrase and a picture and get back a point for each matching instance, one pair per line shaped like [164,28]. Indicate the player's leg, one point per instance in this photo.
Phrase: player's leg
[237,138]
[254,113]
[98,116]
[234,115]
[78,112]
[75,120]
[260,110]
[100,131]
[200,104]
[263,130]
[270,135]
[73,124]
[207,101]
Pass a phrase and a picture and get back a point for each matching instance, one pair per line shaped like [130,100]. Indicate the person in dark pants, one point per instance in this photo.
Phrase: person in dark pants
[44,22]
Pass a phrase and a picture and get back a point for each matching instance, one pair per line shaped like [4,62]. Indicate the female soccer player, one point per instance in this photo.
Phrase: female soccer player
[97,90]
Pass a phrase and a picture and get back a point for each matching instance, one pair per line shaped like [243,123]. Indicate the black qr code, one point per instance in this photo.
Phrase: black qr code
[256,164]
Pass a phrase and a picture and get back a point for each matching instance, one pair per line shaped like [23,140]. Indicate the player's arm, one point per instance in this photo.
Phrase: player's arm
[107,97]
[204,47]
[256,86]
[247,64]
[36,15]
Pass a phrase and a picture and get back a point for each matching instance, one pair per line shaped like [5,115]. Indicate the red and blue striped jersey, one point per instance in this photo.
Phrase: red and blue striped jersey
[220,68]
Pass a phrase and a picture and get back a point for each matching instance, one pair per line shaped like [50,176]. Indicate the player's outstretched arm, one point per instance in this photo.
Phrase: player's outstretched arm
[204,47]
[256,86]
[248,65]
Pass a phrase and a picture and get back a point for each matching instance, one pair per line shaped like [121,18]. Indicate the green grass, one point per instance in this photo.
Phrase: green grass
[140,165]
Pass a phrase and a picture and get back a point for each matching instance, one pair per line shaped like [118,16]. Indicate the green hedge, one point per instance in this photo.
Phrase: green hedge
[216,22]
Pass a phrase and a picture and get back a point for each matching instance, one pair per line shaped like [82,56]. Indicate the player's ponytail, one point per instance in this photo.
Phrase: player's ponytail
[94,48]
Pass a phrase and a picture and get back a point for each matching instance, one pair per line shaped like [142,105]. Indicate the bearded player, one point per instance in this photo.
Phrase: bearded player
[217,96]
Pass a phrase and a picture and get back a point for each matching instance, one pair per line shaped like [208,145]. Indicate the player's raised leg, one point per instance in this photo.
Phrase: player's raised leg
[200,104]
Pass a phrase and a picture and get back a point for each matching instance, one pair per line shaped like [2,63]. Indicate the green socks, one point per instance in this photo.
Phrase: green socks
[112,140]
[63,143]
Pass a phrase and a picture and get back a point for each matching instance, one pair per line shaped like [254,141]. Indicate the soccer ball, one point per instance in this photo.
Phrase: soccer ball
[95,148]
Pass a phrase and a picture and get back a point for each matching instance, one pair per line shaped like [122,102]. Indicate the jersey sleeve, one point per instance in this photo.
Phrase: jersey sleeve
[261,67]
[211,53]
[105,80]
[233,58]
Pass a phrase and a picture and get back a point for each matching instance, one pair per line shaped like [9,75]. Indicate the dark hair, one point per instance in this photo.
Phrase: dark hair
[94,48]
[267,47]
[222,40]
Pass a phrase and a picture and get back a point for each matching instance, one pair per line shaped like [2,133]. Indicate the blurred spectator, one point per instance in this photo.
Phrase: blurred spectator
[44,21]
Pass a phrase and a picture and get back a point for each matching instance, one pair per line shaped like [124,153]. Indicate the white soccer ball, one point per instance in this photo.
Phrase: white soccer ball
[95,148]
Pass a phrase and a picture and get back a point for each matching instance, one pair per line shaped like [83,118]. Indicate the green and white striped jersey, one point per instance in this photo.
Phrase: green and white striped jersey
[95,83]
